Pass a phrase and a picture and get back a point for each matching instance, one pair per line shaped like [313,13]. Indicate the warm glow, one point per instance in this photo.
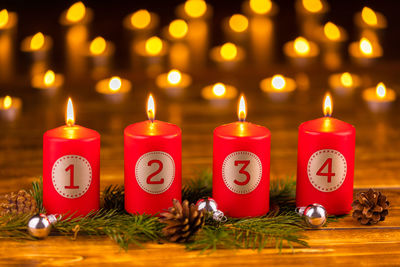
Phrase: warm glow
[195,8]
[7,102]
[278,82]
[178,28]
[154,45]
[366,46]
[332,31]
[327,105]
[301,46]
[151,108]
[228,51]
[260,6]
[37,41]
[219,89]
[76,12]
[98,46]
[381,90]
[3,18]
[70,119]
[141,19]
[369,16]
[346,79]
[242,109]
[49,77]
[312,5]
[115,83]
[238,23]
[174,77]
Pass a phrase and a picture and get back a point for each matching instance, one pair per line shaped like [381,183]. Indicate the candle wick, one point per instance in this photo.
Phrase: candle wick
[241,119]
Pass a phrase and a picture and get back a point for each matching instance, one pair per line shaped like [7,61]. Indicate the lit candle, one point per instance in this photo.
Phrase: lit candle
[71,168]
[152,164]
[10,107]
[48,82]
[113,88]
[278,87]
[227,55]
[100,51]
[194,9]
[141,22]
[344,83]
[179,53]
[325,163]
[370,19]
[333,35]
[236,28]
[365,52]
[77,13]
[301,51]
[173,82]
[38,45]
[219,93]
[177,30]
[259,8]
[152,49]
[241,161]
[379,98]
[310,14]
[8,20]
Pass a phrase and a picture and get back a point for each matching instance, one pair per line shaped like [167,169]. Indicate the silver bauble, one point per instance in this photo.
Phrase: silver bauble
[314,215]
[39,225]
[207,204]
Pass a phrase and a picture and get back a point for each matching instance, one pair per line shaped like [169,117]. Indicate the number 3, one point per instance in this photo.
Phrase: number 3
[243,171]
[328,174]
[160,167]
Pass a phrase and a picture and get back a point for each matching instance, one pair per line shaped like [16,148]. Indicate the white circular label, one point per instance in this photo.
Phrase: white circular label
[242,172]
[71,176]
[327,169]
[155,172]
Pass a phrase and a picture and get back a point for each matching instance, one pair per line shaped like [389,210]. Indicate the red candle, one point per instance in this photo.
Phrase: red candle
[241,167]
[325,163]
[71,168]
[152,164]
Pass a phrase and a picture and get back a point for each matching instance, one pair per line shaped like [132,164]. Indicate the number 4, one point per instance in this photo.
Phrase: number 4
[328,174]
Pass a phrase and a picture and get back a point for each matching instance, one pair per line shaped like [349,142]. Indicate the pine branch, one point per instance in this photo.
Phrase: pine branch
[114,198]
[14,226]
[199,187]
[37,193]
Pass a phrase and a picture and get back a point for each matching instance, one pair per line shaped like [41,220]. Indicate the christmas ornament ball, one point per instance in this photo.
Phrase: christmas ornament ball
[314,215]
[39,225]
[207,204]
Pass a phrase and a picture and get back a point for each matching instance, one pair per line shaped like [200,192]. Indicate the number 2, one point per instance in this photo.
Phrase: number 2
[243,171]
[328,174]
[160,167]
[71,185]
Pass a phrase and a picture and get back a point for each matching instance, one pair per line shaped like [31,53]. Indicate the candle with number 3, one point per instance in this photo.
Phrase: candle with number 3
[241,167]
[152,164]
[71,168]
[325,163]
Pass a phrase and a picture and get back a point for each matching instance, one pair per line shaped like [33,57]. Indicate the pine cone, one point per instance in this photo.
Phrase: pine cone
[18,203]
[370,207]
[183,221]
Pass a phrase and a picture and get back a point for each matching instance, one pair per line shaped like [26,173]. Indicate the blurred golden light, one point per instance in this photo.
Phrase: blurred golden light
[381,90]
[174,76]
[115,83]
[369,16]
[98,45]
[366,46]
[49,78]
[141,19]
[7,102]
[346,79]
[153,45]
[37,41]
[301,46]
[242,112]
[332,31]
[76,12]
[238,23]
[219,89]
[3,18]
[178,28]
[228,51]
[260,6]
[195,8]
[312,6]
[70,118]
[278,82]
[327,105]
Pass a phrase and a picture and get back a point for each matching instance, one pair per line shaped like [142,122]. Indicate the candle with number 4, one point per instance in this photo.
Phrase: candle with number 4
[325,163]
[152,164]
[241,167]
[71,168]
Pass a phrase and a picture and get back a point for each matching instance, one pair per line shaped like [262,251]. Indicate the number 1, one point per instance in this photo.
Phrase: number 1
[71,185]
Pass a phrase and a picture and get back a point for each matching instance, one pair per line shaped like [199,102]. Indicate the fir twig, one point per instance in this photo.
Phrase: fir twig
[114,198]
[37,193]
[199,187]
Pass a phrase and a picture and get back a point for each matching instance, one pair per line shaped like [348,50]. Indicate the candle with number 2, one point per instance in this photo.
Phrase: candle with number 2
[71,168]
[241,164]
[325,163]
[152,164]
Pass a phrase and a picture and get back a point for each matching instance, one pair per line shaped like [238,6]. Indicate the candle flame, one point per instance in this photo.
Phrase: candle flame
[238,23]
[228,51]
[178,28]
[174,77]
[312,6]
[115,83]
[153,45]
[346,79]
[278,82]
[219,89]
[76,12]
[7,102]
[98,45]
[49,77]
[260,7]
[331,31]
[151,108]
[381,90]
[301,46]
[195,8]
[366,46]
[37,41]
[369,16]
[327,105]
[242,112]
[70,118]
[141,19]
[3,18]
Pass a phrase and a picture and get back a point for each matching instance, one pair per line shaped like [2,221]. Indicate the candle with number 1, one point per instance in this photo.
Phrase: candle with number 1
[325,163]
[241,167]
[71,168]
[152,164]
